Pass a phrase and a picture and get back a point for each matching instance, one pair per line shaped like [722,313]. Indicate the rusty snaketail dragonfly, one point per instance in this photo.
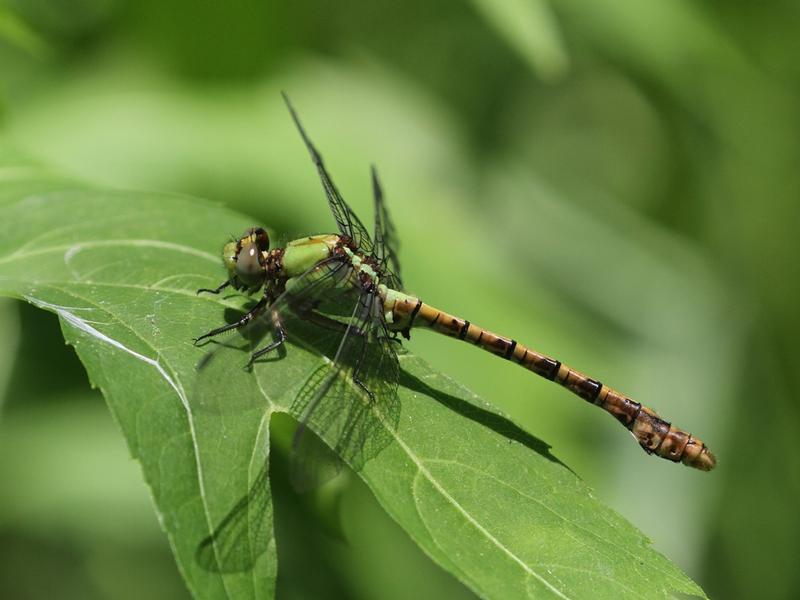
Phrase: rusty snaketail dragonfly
[350,283]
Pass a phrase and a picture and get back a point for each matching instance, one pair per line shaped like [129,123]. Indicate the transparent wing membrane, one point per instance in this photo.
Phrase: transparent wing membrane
[386,243]
[348,222]
[305,292]
[350,401]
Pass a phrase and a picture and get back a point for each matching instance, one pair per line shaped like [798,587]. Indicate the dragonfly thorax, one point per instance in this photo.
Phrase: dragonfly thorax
[302,254]
[364,266]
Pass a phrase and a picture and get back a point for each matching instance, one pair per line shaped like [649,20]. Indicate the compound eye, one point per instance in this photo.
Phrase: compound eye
[248,264]
[257,236]
[261,238]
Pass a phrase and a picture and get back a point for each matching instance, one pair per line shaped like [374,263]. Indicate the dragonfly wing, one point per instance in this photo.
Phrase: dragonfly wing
[348,222]
[305,290]
[350,402]
[386,243]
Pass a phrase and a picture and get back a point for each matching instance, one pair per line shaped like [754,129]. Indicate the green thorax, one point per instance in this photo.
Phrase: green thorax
[302,254]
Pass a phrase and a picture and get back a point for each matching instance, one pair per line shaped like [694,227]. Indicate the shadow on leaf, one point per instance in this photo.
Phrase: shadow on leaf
[489,419]
[241,537]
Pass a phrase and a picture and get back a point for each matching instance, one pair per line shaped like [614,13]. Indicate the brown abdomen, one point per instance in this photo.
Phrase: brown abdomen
[654,434]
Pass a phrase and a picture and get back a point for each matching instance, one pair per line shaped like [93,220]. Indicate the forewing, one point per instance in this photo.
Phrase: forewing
[386,243]
[349,402]
[348,222]
[301,291]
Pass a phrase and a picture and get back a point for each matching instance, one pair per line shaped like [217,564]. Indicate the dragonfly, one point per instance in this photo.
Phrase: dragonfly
[350,283]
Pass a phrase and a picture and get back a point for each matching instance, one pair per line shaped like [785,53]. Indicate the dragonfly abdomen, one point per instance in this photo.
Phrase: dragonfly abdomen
[654,434]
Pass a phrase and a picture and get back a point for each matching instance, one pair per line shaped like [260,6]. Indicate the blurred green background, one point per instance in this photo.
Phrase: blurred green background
[615,183]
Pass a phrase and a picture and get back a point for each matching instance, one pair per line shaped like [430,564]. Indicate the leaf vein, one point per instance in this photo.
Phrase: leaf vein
[73,249]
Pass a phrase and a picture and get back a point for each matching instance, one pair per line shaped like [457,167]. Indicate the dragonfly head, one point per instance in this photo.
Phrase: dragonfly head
[246,259]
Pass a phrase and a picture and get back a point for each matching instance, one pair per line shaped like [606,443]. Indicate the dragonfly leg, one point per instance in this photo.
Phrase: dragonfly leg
[246,318]
[280,332]
[216,290]
[366,390]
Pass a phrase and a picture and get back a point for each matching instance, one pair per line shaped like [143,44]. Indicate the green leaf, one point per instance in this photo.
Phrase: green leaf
[482,498]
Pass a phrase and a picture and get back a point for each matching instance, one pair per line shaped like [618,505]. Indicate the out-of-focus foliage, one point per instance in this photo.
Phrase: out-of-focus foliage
[9,325]
[634,217]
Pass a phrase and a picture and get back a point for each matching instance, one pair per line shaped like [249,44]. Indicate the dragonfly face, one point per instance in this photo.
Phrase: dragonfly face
[246,259]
